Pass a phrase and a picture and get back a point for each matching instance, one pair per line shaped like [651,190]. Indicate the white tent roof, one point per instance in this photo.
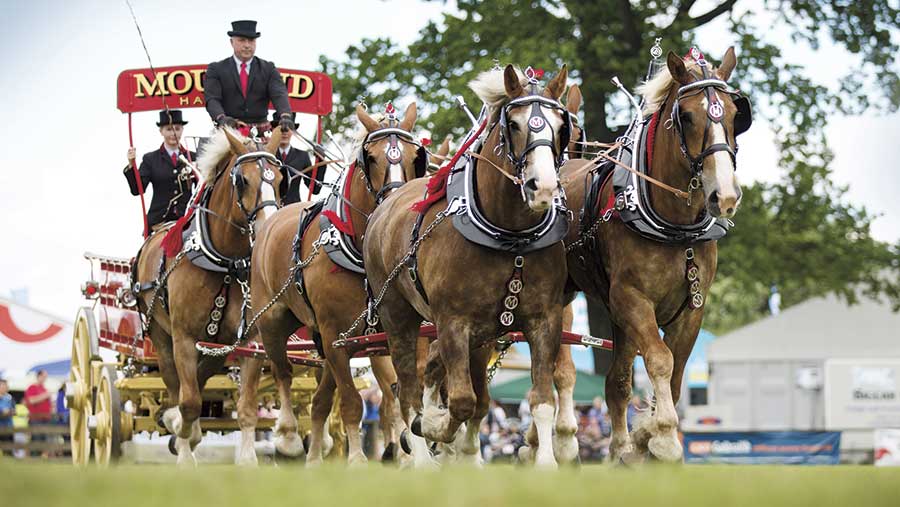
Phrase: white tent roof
[816,329]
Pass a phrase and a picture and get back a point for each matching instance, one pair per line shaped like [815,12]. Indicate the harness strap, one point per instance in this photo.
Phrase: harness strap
[413,263]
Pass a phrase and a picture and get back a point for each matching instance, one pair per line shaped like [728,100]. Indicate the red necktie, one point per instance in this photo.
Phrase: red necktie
[244,78]
[283,155]
[175,158]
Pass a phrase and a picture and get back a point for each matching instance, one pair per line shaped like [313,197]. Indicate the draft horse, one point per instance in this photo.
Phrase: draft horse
[330,289]
[649,252]
[194,293]
[499,268]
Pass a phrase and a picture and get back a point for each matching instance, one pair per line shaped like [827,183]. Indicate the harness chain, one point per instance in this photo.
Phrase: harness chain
[393,275]
[160,283]
[504,348]
[221,351]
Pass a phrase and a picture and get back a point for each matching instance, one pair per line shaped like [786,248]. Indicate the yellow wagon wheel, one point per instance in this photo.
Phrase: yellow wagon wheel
[107,420]
[78,388]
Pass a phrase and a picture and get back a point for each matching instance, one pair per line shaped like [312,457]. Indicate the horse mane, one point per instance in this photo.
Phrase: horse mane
[214,151]
[359,136]
[658,87]
[489,87]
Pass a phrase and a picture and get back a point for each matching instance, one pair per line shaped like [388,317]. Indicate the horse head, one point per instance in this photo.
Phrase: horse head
[535,132]
[255,179]
[389,155]
[707,116]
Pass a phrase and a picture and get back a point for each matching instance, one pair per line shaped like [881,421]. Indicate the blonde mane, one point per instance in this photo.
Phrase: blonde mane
[490,88]
[658,87]
[214,151]
[359,136]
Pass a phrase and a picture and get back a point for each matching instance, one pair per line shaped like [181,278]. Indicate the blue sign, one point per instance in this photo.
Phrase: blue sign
[780,447]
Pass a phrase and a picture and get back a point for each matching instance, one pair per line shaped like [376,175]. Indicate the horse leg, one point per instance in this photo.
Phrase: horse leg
[190,402]
[389,411]
[168,414]
[469,450]
[404,357]
[321,408]
[680,338]
[618,395]
[275,326]
[350,400]
[441,424]
[247,413]
[565,445]
[543,338]
[639,323]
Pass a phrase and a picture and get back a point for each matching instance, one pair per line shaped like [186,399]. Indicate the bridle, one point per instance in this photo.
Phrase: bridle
[715,113]
[266,177]
[396,136]
[536,122]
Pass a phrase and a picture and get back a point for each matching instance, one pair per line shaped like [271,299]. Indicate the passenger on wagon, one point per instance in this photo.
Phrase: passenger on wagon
[239,88]
[172,181]
[296,159]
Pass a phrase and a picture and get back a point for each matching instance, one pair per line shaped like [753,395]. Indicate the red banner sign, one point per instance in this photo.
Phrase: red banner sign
[182,87]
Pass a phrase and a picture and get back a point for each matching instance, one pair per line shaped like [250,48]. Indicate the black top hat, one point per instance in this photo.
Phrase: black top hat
[277,119]
[170,117]
[243,28]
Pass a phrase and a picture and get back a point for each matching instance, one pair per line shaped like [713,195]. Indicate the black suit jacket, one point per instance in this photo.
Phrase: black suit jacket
[223,91]
[290,183]
[171,193]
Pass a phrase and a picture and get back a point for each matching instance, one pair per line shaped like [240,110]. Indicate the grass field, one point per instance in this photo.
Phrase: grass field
[50,485]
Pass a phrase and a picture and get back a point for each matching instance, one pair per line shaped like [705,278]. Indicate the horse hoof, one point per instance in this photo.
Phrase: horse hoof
[388,455]
[665,449]
[416,426]
[285,459]
[172,445]
[404,442]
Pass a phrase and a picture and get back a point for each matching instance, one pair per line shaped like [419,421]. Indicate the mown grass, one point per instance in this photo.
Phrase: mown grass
[50,485]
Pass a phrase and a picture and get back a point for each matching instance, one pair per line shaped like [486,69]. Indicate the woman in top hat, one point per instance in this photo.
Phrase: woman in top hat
[239,88]
[296,159]
[172,181]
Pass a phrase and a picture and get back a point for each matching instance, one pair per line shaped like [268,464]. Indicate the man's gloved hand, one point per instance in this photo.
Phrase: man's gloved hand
[226,121]
[286,123]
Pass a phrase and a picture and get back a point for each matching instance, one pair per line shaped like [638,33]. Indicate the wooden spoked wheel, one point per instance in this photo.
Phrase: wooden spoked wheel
[78,388]
[108,419]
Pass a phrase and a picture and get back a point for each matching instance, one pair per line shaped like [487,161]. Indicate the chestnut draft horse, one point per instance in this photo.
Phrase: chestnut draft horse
[499,268]
[330,290]
[195,295]
[653,266]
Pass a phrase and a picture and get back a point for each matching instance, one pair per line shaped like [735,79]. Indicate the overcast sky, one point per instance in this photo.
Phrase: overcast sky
[61,188]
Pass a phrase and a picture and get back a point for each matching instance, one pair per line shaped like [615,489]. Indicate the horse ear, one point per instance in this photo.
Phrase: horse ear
[274,140]
[511,82]
[573,99]
[728,62]
[236,145]
[368,122]
[557,85]
[409,117]
[444,148]
[677,69]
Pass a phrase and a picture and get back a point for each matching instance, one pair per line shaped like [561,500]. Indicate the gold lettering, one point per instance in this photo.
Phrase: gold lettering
[183,101]
[143,85]
[198,101]
[296,80]
[198,78]
[172,82]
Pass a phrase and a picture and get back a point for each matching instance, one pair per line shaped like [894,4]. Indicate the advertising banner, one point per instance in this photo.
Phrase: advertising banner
[779,447]
[887,447]
[862,394]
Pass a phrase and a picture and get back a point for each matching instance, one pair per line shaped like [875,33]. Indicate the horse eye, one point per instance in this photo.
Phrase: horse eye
[514,126]
[686,117]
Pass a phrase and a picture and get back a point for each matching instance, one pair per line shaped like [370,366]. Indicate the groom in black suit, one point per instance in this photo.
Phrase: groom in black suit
[239,88]
[298,160]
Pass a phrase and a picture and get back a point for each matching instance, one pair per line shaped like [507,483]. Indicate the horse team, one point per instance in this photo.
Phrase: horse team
[498,240]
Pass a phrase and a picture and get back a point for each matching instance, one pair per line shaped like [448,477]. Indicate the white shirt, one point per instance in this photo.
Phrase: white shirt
[238,63]
[284,151]
[171,151]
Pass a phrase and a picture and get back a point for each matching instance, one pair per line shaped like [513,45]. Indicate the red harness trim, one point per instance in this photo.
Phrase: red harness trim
[437,183]
[344,226]
[651,136]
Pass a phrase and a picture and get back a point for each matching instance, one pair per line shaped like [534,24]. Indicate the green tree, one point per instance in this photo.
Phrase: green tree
[798,233]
